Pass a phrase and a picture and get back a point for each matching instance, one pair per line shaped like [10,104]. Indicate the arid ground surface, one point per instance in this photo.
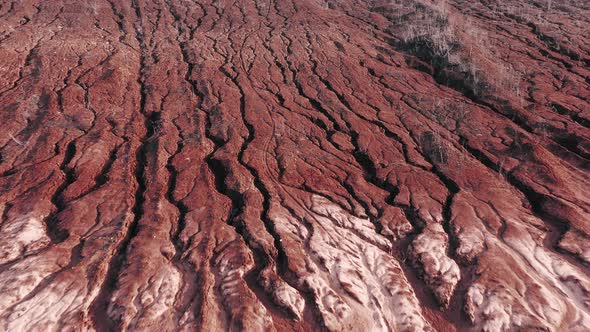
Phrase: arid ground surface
[345,165]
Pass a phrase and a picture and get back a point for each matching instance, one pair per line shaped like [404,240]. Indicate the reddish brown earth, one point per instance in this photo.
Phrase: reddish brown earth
[345,165]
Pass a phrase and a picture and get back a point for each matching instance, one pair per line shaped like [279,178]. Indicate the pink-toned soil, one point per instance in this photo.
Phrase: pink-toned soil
[296,165]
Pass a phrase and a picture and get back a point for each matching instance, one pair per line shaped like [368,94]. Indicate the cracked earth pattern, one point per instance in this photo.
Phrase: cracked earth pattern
[185,165]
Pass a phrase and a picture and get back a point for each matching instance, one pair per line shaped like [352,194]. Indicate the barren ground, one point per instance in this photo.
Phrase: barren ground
[341,165]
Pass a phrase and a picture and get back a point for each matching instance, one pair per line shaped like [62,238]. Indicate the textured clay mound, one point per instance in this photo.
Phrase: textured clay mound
[386,165]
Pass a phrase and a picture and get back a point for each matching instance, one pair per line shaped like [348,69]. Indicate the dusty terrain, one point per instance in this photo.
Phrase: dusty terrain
[341,165]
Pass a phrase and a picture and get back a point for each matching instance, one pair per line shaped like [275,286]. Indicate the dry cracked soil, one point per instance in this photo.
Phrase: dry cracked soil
[295,165]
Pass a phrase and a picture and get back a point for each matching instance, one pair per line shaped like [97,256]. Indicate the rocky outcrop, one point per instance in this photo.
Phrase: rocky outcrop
[407,165]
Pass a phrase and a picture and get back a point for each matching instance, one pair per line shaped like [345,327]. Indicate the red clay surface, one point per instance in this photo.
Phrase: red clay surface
[407,165]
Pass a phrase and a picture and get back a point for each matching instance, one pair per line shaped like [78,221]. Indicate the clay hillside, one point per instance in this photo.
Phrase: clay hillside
[295,165]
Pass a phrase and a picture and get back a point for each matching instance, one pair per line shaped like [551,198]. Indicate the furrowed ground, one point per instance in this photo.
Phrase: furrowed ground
[346,165]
